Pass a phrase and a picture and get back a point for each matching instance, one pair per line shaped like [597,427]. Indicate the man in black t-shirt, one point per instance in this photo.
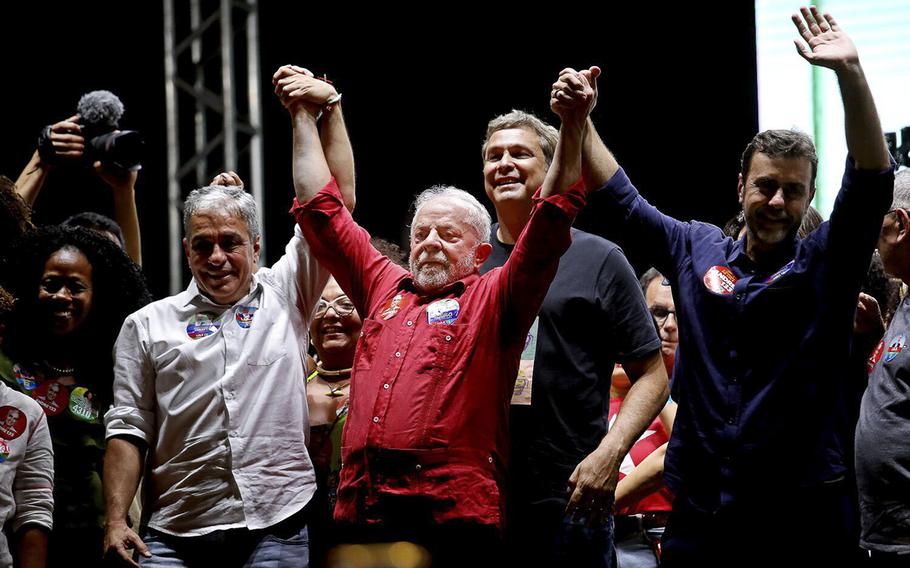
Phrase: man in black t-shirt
[565,465]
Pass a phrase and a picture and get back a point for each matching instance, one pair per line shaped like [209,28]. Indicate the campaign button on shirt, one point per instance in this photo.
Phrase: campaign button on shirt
[720,280]
[24,379]
[895,347]
[244,316]
[392,307]
[202,325]
[12,422]
[51,396]
[82,405]
[4,450]
[443,312]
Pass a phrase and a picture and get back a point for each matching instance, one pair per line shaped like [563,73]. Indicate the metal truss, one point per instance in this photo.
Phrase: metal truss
[214,107]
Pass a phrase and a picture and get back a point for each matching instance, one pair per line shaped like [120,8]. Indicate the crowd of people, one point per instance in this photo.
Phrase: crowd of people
[504,392]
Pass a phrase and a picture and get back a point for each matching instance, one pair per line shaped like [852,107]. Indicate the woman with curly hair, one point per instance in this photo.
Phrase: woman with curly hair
[74,288]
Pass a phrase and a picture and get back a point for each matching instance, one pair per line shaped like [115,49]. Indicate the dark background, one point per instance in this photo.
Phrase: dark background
[677,99]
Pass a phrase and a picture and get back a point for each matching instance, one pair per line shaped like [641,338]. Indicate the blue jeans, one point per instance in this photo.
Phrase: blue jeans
[281,546]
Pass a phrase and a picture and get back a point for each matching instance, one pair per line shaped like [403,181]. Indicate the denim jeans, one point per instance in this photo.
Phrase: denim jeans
[281,546]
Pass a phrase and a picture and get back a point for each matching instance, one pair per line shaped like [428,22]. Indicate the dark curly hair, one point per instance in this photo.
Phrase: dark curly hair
[118,289]
[15,214]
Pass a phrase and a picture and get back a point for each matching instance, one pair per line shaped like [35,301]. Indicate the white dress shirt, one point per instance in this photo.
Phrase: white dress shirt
[26,466]
[219,395]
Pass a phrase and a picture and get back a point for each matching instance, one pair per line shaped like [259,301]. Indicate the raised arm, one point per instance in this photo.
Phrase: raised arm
[826,45]
[63,140]
[123,187]
[316,158]
[572,98]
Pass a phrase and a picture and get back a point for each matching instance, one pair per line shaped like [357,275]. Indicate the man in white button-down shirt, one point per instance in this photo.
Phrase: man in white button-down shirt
[212,382]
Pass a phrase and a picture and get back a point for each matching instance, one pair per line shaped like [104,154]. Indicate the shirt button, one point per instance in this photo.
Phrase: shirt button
[740,296]
[398,353]
[731,420]
[490,459]
[419,467]
[375,419]
[410,323]
[386,386]
[233,434]
[229,395]
[448,338]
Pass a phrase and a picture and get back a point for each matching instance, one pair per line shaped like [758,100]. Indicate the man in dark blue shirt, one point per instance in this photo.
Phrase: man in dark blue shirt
[756,455]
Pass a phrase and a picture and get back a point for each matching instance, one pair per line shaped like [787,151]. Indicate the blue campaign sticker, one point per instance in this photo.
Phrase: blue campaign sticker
[895,346]
[245,316]
[4,451]
[443,312]
[25,379]
[786,268]
[202,325]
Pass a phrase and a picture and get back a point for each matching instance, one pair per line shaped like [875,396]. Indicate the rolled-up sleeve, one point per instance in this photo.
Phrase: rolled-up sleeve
[133,412]
[33,489]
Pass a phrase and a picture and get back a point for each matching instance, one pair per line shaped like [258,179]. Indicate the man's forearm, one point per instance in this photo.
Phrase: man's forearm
[32,547]
[338,153]
[597,162]
[311,172]
[123,461]
[646,397]
[566,167]
[863,128]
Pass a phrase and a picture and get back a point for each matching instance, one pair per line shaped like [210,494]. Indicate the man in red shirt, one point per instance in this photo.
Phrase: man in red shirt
[426,439]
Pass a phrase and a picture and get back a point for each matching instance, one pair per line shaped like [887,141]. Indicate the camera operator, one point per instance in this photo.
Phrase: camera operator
[68,146]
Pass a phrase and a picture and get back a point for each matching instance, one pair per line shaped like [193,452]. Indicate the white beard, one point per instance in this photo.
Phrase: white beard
[432,277]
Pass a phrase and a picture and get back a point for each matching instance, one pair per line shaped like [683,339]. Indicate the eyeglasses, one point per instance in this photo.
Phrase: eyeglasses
[660,314]
[342,306]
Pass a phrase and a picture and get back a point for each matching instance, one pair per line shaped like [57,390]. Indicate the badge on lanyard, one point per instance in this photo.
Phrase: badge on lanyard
[876,355]
[202,325]
[391,307]
[244,316]
[12,422]
[720,280]
[82,405]
[443,312]
[895,347]
[51,396]
[4,450]
[786,268]
[524,383]
[24,379]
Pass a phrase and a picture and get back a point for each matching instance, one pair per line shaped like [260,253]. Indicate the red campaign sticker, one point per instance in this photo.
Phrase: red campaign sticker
[876,355]
[392,307]
[12,422]
[52,397]
[720,280]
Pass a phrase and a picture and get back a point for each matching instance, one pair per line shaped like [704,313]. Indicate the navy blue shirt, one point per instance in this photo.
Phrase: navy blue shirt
[764,351]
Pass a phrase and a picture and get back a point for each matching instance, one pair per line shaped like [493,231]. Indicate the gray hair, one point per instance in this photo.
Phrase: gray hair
[649,276]
[547,135]
[478,216]
[901,190]
[226,197]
